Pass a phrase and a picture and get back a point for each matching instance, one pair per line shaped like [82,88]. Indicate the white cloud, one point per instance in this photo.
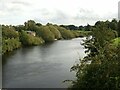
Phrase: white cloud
[57,11]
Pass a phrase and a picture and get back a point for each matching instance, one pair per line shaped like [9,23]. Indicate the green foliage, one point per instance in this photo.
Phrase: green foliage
[10,44]
[70,27]
[76,33]
[103,35]
[28,40]
[19,28]
[87,28]
[116,42]
[30,25]
[45,33]
[55,31]
[9,32]
[100,68]
[66,34]
[113,25]
[84,33]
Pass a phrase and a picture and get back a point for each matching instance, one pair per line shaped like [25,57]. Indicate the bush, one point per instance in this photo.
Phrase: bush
[10,44]
[55,31]
[28,40]
[9,32]
[45,33]
[66,34]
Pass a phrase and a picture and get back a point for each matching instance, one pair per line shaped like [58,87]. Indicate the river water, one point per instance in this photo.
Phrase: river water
[45,66]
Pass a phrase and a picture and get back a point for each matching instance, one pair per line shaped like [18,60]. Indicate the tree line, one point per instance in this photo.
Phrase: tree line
[110,24]
[14,37]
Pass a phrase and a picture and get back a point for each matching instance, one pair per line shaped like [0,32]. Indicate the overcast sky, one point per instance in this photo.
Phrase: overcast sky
[77,12]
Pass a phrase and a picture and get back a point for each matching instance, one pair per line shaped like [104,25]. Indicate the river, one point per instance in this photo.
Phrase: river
[45,66]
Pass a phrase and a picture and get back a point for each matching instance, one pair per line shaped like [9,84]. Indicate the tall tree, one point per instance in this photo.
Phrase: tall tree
[30,25]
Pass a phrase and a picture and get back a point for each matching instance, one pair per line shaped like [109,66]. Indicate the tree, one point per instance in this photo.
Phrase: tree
[118,28]
[113,24]
[87,28]
[100,68]
[55,31]
[81,27]
[28,40]
[19,28]
[66,34]
[10,44]
[45,33]
[38,24]
[30,25]
[70,27]
[9,32]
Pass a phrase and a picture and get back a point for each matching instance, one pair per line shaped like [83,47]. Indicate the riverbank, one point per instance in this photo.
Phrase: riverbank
[14,37]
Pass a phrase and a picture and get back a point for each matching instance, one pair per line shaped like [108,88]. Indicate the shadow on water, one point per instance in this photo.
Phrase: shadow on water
[8,55]
[24,50]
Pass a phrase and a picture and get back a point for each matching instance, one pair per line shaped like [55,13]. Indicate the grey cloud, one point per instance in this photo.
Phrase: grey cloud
[89,16]
[46,16]
[42,11]
[22,10]
[20,3]
[60,17]
[86,15]
[81,18]
[110,16]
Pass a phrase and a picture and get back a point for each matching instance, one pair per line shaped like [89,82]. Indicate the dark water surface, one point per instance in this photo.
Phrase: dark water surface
[45,66]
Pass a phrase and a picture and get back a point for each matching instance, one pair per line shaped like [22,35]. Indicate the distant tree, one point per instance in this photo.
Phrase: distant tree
[98,23]
[30,25]
[19,28]
[70,27]
[66,34]
[65,26]
[87,28]
[81,27]
[38,24]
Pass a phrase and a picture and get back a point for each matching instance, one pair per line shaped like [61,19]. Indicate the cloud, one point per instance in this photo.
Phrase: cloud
[60,17]
[21,3]
[86,15]
[60,12]
[45,16]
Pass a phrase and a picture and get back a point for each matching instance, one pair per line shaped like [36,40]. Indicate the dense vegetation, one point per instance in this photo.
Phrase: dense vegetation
[10,39]
[28,40]
[14,37]
[100,69]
